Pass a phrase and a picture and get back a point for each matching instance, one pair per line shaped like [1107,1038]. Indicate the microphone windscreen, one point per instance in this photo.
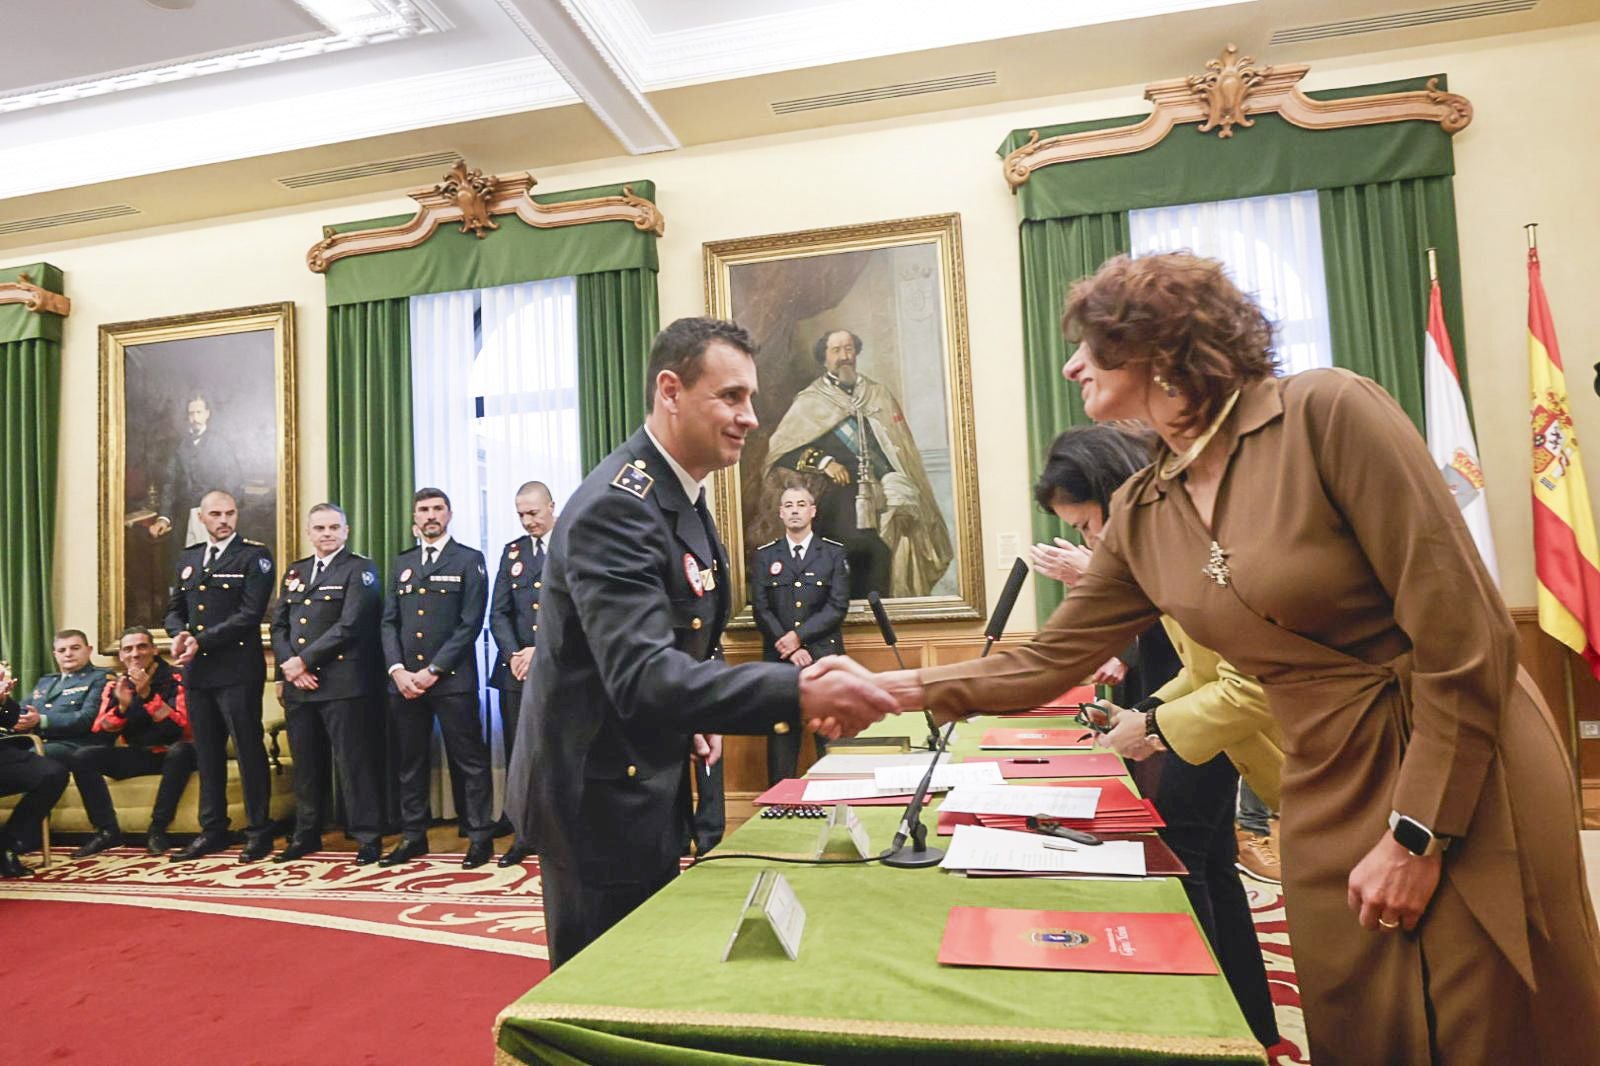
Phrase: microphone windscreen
[1008,600]
[876,603]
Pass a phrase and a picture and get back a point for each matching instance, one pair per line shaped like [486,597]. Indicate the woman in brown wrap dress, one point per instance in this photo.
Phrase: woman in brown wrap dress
[1298,527]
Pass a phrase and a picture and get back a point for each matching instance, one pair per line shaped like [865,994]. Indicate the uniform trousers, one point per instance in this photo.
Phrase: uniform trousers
[707,821]
[783,751]
[215,715]
[41,782]
[91,766]
[464,748]
[1197,803]
[578,909]
[510,713]
[315,727]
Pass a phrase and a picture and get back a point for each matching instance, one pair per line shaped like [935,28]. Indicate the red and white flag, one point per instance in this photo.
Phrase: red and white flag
[1450,438]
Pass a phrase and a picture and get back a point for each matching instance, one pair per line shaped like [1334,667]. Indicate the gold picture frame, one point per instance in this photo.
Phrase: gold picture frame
[168,384]
[898,289]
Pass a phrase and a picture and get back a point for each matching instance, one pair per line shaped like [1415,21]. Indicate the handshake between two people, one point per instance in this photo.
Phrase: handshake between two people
[839,697]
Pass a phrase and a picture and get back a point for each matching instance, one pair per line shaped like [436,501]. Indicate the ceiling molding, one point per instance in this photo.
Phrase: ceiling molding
[386,20]
[437,99]
[585,58]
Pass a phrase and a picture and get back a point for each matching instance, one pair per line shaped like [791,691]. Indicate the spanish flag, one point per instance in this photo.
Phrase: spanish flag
[1450,437]
[1566,558]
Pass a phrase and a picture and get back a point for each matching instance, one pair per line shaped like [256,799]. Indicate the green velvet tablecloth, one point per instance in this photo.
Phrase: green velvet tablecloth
[867,987]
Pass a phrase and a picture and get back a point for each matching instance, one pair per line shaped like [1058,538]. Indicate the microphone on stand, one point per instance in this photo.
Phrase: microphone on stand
[917,853]
[887,629]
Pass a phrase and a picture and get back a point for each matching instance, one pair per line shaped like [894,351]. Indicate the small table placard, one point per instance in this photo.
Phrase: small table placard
[771,914]
[843,816]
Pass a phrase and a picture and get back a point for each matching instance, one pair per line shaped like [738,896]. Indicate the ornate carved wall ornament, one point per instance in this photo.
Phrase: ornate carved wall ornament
[1224,98]
[472,199]
[23,291]
[1226,84]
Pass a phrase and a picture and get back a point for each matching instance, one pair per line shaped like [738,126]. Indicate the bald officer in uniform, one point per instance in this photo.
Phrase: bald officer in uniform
[800,593]
[214,615]
[635,598]
[514,618]
[325,641]
[431,621]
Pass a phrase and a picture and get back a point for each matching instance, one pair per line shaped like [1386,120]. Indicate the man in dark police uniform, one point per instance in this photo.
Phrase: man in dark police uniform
[800,592]
[514,619]
[325,641]
[431,621]
[635,598]
[220,596]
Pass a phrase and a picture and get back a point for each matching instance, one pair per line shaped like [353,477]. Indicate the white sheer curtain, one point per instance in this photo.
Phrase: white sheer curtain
[494,403]
[1272,247]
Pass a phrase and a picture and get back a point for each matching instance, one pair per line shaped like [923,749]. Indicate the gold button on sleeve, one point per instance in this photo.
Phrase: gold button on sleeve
[780,728]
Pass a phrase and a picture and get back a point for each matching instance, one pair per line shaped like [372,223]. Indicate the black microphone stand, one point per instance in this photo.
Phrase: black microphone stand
[887,630]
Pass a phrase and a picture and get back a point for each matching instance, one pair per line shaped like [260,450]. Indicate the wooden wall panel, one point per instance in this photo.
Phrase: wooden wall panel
[1568,687]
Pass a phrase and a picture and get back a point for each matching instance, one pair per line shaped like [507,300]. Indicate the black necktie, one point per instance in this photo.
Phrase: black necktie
[428,554]
[538,552]
[212,551]
[316,572]
[797,553]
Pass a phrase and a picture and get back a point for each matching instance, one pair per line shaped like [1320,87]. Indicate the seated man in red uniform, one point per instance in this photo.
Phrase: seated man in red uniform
[144,709]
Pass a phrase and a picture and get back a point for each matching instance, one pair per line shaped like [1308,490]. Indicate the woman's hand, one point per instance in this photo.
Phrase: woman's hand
[1111,672]
[1391,886]
[1063,560]
[1127,737]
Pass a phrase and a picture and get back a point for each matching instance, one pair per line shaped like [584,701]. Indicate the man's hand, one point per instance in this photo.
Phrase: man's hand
[184,648]
[159,528]
[1111,672]
[1392,885]
[123,693]
[1127,737]
[838,472]
[801,657]
[27,720]
[787,644]
[141,680]
[424,680]
[839,697]
[405,682]
[708,748]
[521,659]
[307,682]
[293,669]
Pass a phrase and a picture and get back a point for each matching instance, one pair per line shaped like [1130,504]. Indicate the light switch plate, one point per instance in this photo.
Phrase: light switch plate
[1589,730]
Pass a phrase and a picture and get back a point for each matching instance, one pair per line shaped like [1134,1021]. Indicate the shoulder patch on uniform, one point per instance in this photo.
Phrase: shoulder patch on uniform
[835,543]
[633,481]
[265,564]
[768,544]
[368,577]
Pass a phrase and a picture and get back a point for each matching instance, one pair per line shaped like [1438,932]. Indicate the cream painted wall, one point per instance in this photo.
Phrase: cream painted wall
[1521,160]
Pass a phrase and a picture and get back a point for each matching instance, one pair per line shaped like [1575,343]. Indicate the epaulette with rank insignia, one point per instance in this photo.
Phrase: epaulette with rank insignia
[633,480]
[835,543]
[768,544]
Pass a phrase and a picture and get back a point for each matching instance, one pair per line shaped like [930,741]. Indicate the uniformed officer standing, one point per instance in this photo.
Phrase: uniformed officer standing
[325,640]
[63,705]
[223,586]
[431,621]
[514,619]
[800,591]
[633,604]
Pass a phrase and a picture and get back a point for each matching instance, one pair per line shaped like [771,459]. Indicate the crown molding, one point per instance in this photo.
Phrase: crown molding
[525,84]
[40,301]
[472,199]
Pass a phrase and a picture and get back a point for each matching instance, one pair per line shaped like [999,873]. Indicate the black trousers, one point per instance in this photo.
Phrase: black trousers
[1197,804]
[708,819]
[464,748]
[578,910]
[41,781]
[783,751]
[510,714]
[216,714]
[91,766]
[324,734]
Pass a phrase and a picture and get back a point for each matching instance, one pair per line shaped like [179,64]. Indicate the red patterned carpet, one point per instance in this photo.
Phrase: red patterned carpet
[1272,928]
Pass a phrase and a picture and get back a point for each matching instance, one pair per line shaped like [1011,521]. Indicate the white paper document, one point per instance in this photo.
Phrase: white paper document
[944,776]
[832,790]
[975,848]
[861,765]
[1023,799]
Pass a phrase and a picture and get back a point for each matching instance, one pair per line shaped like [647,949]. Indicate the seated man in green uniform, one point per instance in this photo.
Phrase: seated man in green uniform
[63,705]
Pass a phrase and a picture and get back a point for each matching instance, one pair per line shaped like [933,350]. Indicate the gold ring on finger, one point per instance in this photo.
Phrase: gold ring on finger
[1388,925]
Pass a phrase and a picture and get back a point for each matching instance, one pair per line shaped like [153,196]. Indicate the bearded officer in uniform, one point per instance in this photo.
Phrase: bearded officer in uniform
[635,598]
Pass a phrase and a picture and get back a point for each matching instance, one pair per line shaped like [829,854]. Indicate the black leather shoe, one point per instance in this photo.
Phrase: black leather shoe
[256,850]
[204,844]
[157,843]
[478,853]
[514,856]
[11,866]
[297,850]
[503,827]
[367,854]
[102,840]
[405,851]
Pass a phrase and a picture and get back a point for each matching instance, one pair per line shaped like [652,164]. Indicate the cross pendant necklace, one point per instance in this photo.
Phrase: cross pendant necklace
[1216,567]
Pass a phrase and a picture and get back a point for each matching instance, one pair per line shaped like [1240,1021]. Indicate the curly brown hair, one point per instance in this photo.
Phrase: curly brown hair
[1182,316]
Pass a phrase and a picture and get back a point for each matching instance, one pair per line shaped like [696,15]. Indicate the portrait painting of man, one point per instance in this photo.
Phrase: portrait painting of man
[862,356]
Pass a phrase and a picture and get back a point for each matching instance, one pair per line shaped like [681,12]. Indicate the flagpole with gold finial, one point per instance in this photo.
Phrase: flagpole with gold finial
[1532,230]
[1433,264]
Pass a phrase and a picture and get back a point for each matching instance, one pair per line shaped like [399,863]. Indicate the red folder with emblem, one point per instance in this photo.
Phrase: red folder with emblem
[1002,739]
[1102,942]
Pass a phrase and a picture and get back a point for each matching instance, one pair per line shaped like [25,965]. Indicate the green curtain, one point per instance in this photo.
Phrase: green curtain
[370,456]
[1055,253]
[30,392]
[618,317]
[1374,246]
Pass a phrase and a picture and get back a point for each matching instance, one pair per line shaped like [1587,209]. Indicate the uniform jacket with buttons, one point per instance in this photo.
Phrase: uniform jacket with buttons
[67,705]
[433,615]
[514,608]
[332,626]
[223,608]
[622,677]
[810,597]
